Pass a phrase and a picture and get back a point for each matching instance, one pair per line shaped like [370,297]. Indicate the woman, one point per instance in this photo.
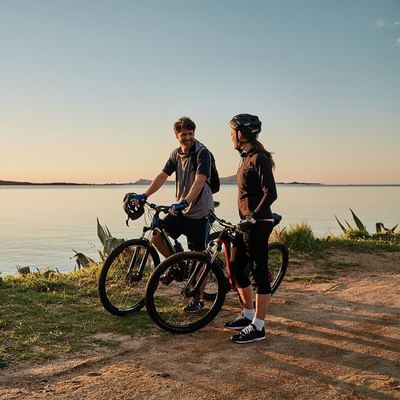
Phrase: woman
[256,193]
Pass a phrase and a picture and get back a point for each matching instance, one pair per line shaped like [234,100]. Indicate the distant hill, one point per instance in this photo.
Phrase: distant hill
[32,183]
[14,183]
[142,182]
[228,180]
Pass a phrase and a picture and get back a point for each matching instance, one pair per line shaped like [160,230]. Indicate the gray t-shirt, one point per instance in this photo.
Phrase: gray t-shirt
[183,166]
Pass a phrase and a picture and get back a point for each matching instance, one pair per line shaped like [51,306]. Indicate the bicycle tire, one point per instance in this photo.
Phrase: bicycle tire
[278,260]
[120,292]
[166,302]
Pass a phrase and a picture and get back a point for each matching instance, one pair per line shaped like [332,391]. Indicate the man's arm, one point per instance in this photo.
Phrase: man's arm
[197,187]
[157,182]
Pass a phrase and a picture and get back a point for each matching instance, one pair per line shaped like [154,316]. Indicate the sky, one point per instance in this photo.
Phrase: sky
[89,90]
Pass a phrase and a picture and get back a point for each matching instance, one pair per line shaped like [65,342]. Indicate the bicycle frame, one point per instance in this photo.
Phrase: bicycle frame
[155,224]
[224,241]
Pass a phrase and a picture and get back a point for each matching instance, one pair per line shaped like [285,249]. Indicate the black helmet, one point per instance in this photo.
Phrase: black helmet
[246,123]
[133,209]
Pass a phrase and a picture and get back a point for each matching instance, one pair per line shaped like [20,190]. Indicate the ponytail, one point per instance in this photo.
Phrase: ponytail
[260,148]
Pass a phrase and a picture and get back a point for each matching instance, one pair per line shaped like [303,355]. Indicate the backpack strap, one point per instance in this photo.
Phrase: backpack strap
[193,160]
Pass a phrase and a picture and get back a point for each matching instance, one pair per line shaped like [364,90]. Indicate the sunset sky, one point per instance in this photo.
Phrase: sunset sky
[89,90]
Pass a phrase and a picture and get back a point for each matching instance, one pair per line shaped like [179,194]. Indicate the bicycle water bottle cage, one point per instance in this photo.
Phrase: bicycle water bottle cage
[177,246]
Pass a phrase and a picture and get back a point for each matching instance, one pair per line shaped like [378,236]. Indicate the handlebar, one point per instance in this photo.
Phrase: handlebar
[276,220]
[213,217]
[163,209]
[222,222]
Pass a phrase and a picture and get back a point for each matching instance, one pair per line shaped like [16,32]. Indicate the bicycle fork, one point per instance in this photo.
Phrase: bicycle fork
[136,276]
[196,280]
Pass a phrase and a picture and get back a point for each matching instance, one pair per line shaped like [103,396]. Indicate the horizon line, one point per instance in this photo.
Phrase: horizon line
[143,181]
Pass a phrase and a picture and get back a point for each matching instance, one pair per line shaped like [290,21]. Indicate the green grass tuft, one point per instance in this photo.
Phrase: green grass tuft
[44,317]
[372,244]
[300,238]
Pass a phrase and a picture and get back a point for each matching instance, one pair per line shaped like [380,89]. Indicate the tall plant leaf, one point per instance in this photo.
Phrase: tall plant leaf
[358,222]
[102,232]
[341,226]
[393,229]
[81,260]
[380,228]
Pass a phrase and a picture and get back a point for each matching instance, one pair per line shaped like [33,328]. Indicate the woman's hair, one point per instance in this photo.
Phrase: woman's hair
[260,147]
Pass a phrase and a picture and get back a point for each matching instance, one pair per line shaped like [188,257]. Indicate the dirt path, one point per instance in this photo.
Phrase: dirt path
[333,340]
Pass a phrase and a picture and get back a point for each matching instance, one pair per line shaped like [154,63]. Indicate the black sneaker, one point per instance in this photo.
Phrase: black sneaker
[248,335]
[166,278]
[238,323]
[173,273]
[194,306]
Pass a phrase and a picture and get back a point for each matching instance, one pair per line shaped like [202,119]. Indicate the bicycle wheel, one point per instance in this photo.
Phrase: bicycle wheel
[278,260]
[172,286]
[124,275]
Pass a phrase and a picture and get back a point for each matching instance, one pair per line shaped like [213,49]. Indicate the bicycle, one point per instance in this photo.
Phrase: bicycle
[165,303]
[125,272]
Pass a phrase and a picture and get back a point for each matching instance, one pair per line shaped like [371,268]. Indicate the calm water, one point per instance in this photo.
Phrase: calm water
[39,226]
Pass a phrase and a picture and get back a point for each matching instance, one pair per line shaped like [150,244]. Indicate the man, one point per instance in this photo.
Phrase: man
[191,162]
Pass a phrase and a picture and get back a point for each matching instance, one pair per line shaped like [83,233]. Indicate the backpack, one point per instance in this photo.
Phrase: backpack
[213,182]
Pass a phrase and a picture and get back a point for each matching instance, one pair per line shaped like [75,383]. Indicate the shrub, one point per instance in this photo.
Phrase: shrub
[361,232]
[300,237]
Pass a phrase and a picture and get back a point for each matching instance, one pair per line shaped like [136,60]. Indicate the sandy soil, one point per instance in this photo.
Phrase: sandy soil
[336,339]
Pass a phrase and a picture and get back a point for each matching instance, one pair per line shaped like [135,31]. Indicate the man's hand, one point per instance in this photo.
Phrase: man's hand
[246,223]
[178,207]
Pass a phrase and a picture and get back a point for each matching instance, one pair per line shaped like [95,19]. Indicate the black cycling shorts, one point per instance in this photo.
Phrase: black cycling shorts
[253,246]
[195,230]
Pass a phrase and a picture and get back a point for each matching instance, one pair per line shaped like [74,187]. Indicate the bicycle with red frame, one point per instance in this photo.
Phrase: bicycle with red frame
[166,300]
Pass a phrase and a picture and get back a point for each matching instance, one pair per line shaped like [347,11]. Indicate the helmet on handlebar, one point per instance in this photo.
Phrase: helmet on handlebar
[246,123]
[133,209]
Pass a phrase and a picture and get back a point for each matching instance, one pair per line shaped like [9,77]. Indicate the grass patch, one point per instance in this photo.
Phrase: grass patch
[372,244]
[45,317]
[325,276]
[300,239]
[331,264]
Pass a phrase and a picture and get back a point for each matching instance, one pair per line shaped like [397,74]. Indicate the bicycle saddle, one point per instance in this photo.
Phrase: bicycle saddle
[277,218]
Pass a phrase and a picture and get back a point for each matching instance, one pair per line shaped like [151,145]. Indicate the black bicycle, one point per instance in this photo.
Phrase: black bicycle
[165,301]
[125,272]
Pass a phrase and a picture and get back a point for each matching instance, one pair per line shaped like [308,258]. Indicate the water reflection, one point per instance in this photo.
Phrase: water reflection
[39,226]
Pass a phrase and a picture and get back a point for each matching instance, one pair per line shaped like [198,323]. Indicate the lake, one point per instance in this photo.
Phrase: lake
[40,225]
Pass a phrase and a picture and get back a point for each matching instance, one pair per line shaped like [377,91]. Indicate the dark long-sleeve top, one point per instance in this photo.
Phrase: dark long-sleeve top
[256,185]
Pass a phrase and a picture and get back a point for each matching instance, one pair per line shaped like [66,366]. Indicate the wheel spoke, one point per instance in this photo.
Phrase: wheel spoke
[174,291]
[124,276]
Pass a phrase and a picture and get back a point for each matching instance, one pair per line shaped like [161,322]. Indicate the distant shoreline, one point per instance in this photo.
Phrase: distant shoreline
[224,181]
